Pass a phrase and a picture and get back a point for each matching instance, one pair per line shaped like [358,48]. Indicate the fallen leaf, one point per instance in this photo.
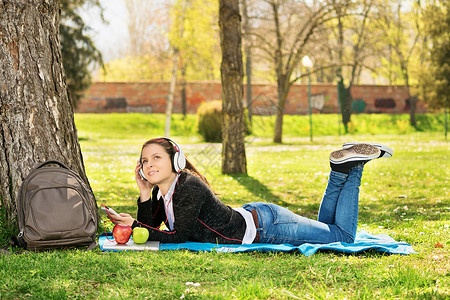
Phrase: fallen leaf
[438,245]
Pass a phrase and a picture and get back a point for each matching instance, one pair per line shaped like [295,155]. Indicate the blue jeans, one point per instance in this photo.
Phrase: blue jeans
[337,221]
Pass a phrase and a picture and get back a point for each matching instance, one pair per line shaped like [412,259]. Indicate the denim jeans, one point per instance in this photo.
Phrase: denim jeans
[337,221]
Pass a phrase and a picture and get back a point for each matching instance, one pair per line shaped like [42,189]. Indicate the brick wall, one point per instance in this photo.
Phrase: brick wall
[150,97]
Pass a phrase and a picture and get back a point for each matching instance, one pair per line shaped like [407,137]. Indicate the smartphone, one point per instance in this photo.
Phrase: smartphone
[107,210]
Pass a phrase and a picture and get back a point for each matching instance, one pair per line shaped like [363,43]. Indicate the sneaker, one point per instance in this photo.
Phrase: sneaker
[385,150]
[356,153]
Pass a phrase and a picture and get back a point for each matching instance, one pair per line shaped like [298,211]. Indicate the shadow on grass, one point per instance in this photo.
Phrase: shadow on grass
[395,212]
[259,190]
[388,212]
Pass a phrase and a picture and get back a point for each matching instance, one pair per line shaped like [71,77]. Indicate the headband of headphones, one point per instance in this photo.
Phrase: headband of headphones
[179,160]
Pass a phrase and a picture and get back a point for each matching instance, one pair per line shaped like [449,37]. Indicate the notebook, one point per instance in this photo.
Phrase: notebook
[149,245]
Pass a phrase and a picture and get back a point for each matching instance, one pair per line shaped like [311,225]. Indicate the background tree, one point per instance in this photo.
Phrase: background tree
[233,124]
[147,53]
[78,50]
[178,17]
[195,32]
[248,45]
[143,30]
[285,32]
[434,81]
[401,29]
[198,46]
[352,45]
[36,117]
[193,41]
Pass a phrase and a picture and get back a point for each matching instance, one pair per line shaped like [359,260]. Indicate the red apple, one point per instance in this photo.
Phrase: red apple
[122,233]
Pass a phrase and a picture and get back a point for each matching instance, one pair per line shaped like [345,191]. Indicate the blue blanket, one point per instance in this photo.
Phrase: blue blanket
[364,241]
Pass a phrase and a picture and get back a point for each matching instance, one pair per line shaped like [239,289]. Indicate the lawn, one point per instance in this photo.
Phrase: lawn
[406,197]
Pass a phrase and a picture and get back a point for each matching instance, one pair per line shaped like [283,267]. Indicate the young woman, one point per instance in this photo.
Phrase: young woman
[177,204]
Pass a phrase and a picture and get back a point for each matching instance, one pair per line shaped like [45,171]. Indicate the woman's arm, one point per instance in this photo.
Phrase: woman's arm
[188,201]
[149,213]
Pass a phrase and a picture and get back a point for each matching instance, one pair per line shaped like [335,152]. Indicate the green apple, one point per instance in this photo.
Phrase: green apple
[140,235]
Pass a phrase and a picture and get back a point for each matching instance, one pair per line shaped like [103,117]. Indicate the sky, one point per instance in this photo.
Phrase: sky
[109,37]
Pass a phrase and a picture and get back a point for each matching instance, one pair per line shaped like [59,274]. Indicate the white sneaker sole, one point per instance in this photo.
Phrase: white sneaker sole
[358,152]
[388,152]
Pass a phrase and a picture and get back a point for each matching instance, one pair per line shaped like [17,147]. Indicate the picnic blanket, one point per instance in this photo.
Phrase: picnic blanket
[364,241]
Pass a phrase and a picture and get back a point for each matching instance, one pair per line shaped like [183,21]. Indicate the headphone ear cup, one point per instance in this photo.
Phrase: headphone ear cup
[181,159]
[176,166]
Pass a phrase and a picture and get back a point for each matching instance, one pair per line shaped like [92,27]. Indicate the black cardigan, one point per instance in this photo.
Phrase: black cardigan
[193,203]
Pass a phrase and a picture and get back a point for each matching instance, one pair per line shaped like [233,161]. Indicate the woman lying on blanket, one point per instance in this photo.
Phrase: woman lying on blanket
[177,203]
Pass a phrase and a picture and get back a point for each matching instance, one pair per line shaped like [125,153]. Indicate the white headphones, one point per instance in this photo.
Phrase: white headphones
[179,160]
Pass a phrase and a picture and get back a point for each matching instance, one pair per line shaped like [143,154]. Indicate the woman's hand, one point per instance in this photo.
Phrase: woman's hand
[122,218]
[144,186]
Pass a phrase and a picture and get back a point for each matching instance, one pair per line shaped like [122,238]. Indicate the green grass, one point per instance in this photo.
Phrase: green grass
[406,197]
[142,126]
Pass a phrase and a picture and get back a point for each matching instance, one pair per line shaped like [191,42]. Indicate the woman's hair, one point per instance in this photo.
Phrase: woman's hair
[170,149]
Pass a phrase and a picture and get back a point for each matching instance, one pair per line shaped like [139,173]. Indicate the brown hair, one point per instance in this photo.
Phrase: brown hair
[170,149]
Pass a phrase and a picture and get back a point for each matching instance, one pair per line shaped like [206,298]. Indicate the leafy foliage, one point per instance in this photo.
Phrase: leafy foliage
[136,68]
[195,34]
[435,76]
[189,26]
[78,50]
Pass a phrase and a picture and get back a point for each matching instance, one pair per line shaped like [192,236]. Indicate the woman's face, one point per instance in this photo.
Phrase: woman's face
[157,165]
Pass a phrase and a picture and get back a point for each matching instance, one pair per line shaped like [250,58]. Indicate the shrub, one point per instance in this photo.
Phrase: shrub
[209,116]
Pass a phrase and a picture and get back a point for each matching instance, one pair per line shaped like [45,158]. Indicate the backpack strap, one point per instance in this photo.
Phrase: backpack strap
[13,242]
[92,246]
[53,162]
[5,250]
[17,241]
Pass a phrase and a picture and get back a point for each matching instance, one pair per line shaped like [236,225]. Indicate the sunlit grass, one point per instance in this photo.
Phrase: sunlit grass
[406,197]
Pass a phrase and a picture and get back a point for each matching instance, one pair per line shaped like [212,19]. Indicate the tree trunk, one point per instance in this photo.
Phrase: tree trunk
[412,100]
[248,72]
[248,58]
[36,117]
[412,111]
[345,96]
[347,107]
[169,105]
[283,90]
[183,91]
[233,125]
[278,132]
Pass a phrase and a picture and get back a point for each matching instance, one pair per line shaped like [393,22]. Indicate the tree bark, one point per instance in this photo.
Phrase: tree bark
[169,106]
[347,107]
[248,72]
[248,58]
[183,90]
[233,125]
[283,91]
[412,99]
[36,117]
[345,92]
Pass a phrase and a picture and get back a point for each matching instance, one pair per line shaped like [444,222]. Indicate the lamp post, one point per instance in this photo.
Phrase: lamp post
[307,62]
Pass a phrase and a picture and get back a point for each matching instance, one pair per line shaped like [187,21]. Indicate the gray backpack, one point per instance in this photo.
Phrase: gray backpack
[55,209]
